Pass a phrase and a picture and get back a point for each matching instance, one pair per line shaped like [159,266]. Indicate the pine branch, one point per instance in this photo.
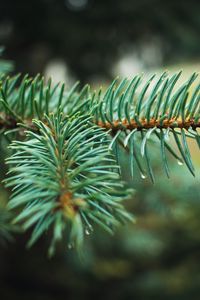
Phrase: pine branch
[65,176]
[22,100]
[129,109]
[63,172]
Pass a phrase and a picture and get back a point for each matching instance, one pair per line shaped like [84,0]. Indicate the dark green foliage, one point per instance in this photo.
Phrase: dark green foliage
[5,226]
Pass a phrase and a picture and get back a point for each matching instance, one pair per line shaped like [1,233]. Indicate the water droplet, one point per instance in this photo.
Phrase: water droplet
[70,246]
[143,176]
[180,163]
[88,230]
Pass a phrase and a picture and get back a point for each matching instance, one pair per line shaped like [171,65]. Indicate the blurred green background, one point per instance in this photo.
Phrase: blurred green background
[93,41]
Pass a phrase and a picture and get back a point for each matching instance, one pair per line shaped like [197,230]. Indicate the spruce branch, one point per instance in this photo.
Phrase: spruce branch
[22,100]
[63,177]
[63,169]
[134,113]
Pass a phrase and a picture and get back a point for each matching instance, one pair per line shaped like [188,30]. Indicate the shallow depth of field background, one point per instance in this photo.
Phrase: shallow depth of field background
[94,41]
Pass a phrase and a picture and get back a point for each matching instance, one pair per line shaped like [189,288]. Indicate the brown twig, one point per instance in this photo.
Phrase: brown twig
[143,124]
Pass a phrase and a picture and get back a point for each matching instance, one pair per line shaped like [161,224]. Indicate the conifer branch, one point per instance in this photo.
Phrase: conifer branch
[65,176]
[127,109]
[134,113]
[63,171]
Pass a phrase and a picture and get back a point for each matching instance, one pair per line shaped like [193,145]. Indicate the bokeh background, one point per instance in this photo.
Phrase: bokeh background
[94,41]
